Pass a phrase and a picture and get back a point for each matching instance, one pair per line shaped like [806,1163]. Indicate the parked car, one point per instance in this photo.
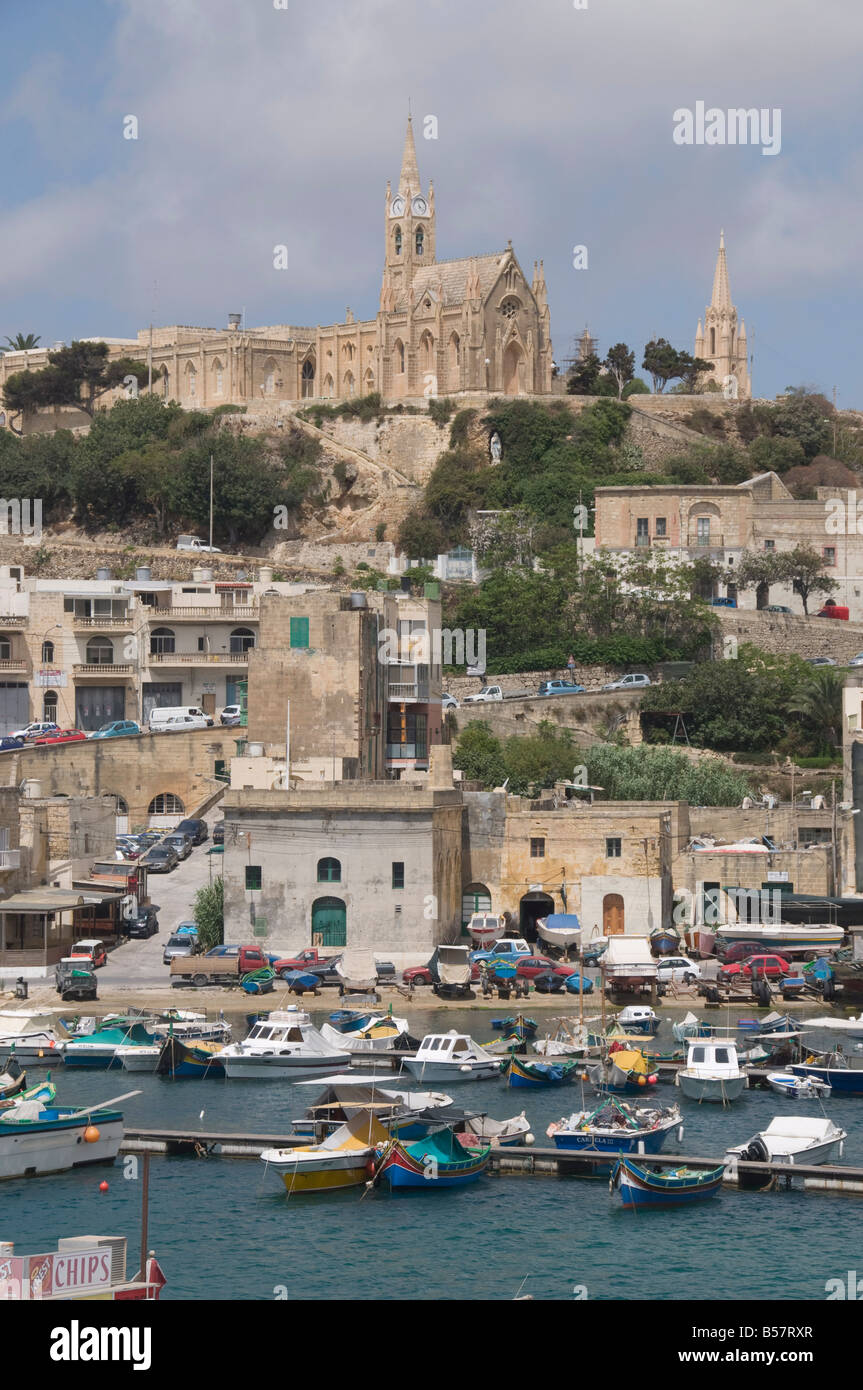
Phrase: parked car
[181,843]
[510,947]
[776,608]
[820,661]
[633,681]
[61,736]
[531,966]
[180,724]
[559,687]
[230,715]
[417,975]
[35,730]
[118,728]
[91,951]
[855,661]
[195,543]
[130,849]
[448,702]
[756,967]
[186,928]
[145,923]
[833,610]
[723,603]
[738,950]
[9,744]
[177,945]
[193,827]
[161,859]
[219,833]
[678,970]
[74,979]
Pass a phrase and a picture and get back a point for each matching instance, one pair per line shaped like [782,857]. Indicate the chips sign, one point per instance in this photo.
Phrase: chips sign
[62,1274]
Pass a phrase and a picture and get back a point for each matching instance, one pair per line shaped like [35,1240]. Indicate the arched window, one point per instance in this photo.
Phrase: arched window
[308,377]
[47,653]
[713,341]
[510,307]
[166,804]
[162,641]
[329,871]
[100,651]
[420,241]
[166,382]
[270,376]
[397,236]
[218,377]
[400,356]
[427,352]
[191,380]
[369,381]
[349,383]
[454,350]
[241,639]
[5,647]
[348,352]
[328,385]
[49,706]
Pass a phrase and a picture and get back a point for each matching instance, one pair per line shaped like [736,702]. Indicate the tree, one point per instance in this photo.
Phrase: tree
[22,342]
[690,369]
[819,703]
[734,704]
[661,361]
[78,375]
[479,755]
[775,454]
[758,569]
[583,378]
[654,774]
[620,362]
[803,569]
[209,914]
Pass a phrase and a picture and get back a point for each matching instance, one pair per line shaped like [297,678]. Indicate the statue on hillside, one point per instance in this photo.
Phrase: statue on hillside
[495,448]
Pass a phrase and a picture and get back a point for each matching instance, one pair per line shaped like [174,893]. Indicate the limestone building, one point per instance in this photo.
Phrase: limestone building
[722,340]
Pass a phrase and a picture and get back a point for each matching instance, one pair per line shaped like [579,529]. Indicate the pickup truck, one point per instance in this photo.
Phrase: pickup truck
[311,961]
[491,693]
[512,946]
[217,970]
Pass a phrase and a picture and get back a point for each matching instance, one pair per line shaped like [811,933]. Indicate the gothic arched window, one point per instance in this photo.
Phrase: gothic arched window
[420,240]
[398,240]
[400,356]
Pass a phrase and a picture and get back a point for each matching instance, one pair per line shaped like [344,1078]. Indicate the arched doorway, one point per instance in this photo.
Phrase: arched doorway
[329,922]
[533,905]
[612,915]
[474,898]
[513,369]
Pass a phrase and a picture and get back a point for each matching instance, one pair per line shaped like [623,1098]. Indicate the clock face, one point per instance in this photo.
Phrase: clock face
[397,207]
[420,207]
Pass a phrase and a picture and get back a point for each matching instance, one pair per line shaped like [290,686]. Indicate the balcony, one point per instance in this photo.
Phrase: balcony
[404,691]
[244,613]
[198,659]
[15,663]
[712,541]
[400,752]
[10,859]
[103,624]
[105,670]
[13,620]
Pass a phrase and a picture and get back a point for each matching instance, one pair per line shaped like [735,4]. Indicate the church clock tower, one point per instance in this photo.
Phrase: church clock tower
[410,228]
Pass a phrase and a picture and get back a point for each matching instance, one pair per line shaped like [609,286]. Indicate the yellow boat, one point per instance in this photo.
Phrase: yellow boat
[344,1159]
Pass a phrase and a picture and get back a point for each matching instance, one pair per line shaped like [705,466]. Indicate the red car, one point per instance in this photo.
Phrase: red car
[531,966]
[62,736]
[760,967]
[421,975]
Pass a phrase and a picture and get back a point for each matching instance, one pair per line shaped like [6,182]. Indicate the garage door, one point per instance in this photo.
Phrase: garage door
[14,706]
[161,695]
[99,704]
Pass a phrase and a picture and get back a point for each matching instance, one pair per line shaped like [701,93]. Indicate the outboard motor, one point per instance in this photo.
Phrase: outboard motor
[756,1152]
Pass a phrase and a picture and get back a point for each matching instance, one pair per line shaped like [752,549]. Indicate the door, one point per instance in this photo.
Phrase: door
[612,915]
[99,704]
[208,705]
[329,923]
[14,706]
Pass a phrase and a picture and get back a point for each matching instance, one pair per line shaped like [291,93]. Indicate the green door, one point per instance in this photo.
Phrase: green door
[329,922]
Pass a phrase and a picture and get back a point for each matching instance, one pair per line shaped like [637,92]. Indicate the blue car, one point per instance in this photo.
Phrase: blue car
[9,744]
[118,728]
[558,687]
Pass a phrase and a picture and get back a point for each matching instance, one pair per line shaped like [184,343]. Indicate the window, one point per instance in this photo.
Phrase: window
[47,653]
[166,804]
[299,632]
[398,875]
[242,638]
[703,530]
[253,876]
[398,240]
[5,648]
[642,531]
[329,871]
[161,641]
[828,554]
[769,545]
[612,847]
[537,847]
[660,526]
[100,652]
[49,706]
[420,241]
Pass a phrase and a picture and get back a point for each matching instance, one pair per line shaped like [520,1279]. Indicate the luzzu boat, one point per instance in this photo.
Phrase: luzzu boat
[625,1071]
[440,1160]
[189,1057]
[346,1158]
[406,1114]
[617,1128]
[640,1185]
[519,1072]
[43,1091]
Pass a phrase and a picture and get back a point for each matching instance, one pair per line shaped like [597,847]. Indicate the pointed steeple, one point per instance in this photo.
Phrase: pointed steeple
[410,175]
[721,287]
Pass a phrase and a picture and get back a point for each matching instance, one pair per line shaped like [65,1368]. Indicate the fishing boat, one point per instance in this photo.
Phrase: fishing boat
[485,928]
[664,941]
[624,1071]
[638,1019]
[33,1035]
[259,981]
[771,1023]
[560,929]
[571,1038]
[784,937]
[439,1160]
[43,1091]
[346,1158]
[712,1072]
[182,1057]
[98,1050]
[480,1130]
[793,1139]
[617,1128]
[379,1033]
[785,1083]
[526,1027]
[691,1027]
[451,1057]
[834,1069]
[546,983]
[182,1023]
[36,1138]
[406,1114]
[138,1058]
[285,1044]
[642,1186]
[84,1268]
[519,1072]
[302,981]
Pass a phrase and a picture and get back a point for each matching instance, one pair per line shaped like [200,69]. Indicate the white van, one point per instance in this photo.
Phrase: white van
[160,718]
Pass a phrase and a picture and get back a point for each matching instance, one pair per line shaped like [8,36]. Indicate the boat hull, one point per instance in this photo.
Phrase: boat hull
[785,939]
[273,1068]
[717,1089]
[843,1081]
[638,1187]
[451,1071]
[185,1059]
[327,1174]
[402,1169]
[44,1148]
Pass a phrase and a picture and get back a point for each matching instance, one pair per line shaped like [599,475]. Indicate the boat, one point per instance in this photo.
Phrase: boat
[525,1027]
[84,1268]
[616,1127]
[36,1138]
[712,1071]
[302,981]
[182,1023]
[98,1050]
[623,1071]
[793,1139]
[638,1019]
[691,1027]
[43,1091]
[571,1038]
[407,1114]
[784,937]
[357,971]
[771,1023]
[834,1069]
[485,928]
[482,1129]
[12,1082]
[519,1072]
[138,1058]
[640,1185]
[259,981]
[189,1057]
[451,1057]
[561,929]
[32,1036]
[852,1026]
[439,1160]
[785,1083]
[379,1033]
[286,1044]
[664,941]
[346,1158]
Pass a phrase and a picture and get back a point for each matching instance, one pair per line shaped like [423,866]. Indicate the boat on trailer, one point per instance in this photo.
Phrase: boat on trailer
[640,1185]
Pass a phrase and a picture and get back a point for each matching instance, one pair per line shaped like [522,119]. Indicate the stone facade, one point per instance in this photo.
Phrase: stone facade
[722,340]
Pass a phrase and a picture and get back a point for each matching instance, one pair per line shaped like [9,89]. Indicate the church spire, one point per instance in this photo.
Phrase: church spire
[721,287]
[410,175]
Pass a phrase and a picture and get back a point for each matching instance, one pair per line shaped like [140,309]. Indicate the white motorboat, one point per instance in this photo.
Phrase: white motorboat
[793,1139]
[451,1056]
[638,1018]
[379,1033]
[485,928]
[32,1035]
[785,938]
[37,1138]
[852,1026]
[141,1058]
[559,929]
[284,1044]
[785,1083]
[712,1071]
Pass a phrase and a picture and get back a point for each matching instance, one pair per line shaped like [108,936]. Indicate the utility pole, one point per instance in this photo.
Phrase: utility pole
[834,421]
[211,504]
[833,838]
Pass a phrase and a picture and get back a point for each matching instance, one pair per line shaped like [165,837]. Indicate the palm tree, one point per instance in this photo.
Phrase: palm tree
[819,703]
[22,342]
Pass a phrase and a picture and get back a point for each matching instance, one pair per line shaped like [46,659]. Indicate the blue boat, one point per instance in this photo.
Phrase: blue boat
[437,1161]
[97,1050]
[835,1071]
[259,981]
[299,981]
[640,1185]
[193,1058]
[578,984]
[525,1026]
[617,1128]
[519,1072]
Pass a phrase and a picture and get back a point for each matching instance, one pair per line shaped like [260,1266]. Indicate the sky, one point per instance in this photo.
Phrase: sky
[260,126]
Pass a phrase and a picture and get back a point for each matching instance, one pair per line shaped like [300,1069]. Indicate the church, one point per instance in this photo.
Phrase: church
[722,340]
[442,327]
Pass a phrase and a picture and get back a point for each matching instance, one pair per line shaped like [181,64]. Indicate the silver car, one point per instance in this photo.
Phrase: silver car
[179,946]
[633,681]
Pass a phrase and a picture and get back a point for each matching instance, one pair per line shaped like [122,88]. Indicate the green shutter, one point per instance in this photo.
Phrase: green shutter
[299,632]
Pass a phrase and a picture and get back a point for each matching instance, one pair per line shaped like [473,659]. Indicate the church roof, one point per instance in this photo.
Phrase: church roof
[721,286]
[452,276]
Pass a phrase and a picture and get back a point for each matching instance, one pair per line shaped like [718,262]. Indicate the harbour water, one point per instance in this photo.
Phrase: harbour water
[226,1229]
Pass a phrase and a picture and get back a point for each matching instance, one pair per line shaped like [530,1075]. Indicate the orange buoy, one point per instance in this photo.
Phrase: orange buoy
[103,1186]
[642,1081]
[91,1135]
